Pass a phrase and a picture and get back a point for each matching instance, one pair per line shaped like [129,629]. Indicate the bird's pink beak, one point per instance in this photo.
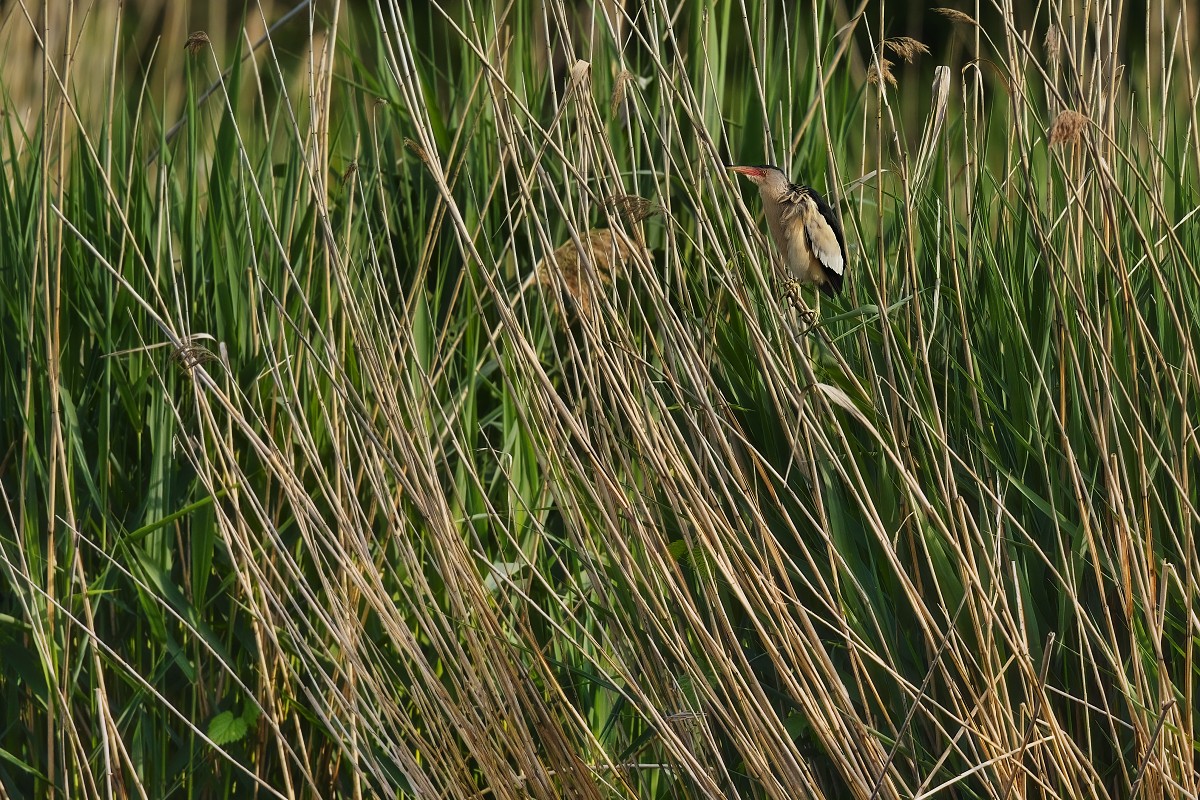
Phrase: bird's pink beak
[755,174]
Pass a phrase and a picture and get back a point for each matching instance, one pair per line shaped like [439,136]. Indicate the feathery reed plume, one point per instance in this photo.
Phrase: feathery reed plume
[620,90]
[631,207]
[906,47]
[1067,128]
[189,354]
[881,66]
[606,250]
[1053,45]
[196,42]
[417,149]
[955,16]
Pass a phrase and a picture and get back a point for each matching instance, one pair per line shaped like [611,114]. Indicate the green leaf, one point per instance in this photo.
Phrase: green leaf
[225,728]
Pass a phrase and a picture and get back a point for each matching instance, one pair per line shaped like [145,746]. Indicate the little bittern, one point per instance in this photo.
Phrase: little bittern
[805,229]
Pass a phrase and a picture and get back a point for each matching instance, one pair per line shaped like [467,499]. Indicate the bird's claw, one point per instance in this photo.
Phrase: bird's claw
[793,294]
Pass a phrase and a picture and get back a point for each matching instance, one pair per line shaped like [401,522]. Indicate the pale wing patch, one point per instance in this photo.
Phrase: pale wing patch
[799,254]
[796,253]
[822,240]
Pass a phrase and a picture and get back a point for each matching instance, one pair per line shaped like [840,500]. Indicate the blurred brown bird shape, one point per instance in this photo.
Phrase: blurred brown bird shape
[804,227]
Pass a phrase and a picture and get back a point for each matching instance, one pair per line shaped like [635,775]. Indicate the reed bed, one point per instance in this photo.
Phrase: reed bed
[399,400]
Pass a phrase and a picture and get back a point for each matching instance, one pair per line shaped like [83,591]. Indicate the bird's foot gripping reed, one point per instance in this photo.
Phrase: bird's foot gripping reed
[792,291]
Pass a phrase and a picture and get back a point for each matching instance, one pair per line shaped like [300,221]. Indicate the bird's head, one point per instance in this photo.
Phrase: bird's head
[770,179]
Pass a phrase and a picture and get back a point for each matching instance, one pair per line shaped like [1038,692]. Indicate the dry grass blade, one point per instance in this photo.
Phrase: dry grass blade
[580,79]
[931,136]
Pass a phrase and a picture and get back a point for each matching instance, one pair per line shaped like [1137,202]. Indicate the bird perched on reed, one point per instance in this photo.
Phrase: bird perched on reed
[803,226]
